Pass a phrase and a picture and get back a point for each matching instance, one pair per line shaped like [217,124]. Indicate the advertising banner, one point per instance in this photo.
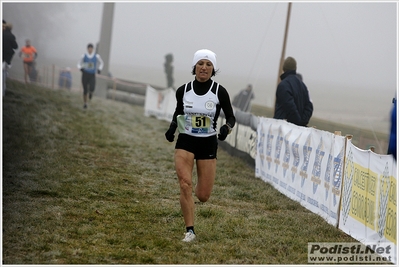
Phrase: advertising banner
[242,137]
[369,197]
[303,163]
[160,103]
[246,140]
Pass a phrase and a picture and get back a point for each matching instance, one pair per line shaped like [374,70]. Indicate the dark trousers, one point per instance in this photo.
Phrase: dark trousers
[8,57]
[88,82]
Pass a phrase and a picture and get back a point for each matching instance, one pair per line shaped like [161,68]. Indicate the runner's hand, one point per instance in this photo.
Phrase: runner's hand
[224,131]
[170,134]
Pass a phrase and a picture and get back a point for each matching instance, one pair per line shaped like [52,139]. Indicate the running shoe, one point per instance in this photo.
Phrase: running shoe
[190,236]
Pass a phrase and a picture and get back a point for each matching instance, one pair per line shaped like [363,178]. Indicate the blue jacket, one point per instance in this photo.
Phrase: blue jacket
[392,136]
[292,100]
[65,79]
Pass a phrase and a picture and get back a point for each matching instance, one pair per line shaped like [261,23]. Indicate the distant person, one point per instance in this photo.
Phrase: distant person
[89,64]
[392,135]
[292,96]
[29,55]
[242,101]
[9,45]
[169,71]
[198,106]
[65,79]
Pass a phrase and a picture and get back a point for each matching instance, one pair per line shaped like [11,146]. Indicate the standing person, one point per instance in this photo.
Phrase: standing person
[29,55]
[9,45]
[169,71]
[89,64]
[393,135]
[197,109]
[292,97]
[65,78]
[242,101]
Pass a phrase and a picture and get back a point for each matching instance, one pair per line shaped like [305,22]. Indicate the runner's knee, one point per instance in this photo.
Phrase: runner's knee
[185,185]
[203,196]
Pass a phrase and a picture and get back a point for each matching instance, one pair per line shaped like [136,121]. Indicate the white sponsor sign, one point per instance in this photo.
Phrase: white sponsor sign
[160,103]
[242,138]
[369,198]
[303,163]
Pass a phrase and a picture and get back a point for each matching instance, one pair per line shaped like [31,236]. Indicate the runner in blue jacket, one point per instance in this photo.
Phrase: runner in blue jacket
[89,64]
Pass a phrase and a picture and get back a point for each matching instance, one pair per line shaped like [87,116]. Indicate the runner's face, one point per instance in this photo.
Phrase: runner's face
[203,70]
[90,50]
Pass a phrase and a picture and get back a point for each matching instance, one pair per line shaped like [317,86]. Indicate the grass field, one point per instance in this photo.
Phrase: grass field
[99,187]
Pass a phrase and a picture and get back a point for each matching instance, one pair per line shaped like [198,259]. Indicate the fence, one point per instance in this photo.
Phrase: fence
[55,77]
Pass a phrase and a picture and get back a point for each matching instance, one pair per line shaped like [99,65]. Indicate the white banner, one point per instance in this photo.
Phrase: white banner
[246,140]
[160,103]
[242,137]
[368,208]
[303,163]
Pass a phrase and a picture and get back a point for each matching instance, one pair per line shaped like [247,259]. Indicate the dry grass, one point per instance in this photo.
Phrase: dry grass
[99,187]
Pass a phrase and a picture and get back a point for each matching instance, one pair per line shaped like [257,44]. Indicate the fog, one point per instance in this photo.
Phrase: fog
[346,52]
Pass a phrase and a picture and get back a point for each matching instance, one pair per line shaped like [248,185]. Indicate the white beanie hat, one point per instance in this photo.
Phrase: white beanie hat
[205,54]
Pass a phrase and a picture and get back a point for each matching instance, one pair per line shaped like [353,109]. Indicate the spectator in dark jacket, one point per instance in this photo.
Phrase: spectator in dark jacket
[9,43]
[292,97]
[242,101]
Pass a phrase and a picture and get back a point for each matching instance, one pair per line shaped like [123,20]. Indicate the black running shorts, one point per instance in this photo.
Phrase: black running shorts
[88,82]
[201,147]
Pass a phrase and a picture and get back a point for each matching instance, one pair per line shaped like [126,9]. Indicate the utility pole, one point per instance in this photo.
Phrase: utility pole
[104,47]
[280,68]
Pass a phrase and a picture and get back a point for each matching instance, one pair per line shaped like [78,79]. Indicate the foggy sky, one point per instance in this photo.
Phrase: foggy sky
[351,43]
[339,47]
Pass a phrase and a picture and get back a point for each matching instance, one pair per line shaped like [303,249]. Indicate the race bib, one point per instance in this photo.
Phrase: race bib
[88,65]
[200,122]
[193,124]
